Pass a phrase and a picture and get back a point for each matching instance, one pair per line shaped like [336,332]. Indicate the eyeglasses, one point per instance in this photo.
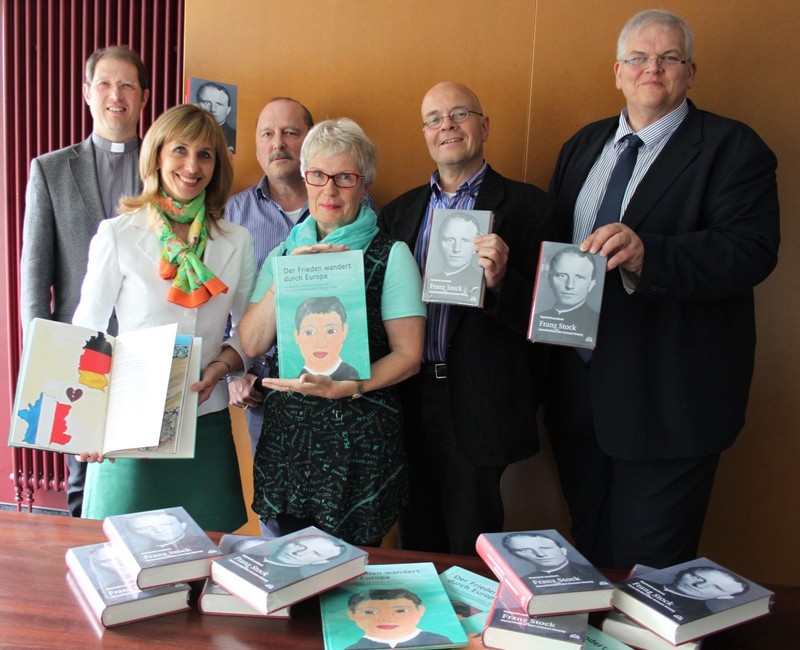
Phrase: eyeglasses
[663,61]
[459,115]
[342,179]
[104,85]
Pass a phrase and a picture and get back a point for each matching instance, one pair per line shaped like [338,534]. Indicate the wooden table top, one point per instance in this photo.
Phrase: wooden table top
[38,608]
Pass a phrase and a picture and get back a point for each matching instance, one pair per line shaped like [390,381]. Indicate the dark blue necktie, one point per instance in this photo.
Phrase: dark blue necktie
[610,208]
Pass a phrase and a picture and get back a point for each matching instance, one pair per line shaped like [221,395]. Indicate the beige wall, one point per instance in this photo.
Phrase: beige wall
[543,68]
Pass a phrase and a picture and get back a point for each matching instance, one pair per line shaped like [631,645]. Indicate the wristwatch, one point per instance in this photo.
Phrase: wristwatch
[359,389]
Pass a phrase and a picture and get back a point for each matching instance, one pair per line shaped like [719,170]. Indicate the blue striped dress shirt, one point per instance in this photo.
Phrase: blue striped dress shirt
[464,199]
[654,137]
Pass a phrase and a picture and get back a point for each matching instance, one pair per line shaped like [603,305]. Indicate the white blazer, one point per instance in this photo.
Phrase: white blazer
[122,275]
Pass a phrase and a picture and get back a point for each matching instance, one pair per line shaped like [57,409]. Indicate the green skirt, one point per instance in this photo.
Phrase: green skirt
[208,486]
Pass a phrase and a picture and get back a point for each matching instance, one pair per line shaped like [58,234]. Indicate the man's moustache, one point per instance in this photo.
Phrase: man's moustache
[280,155]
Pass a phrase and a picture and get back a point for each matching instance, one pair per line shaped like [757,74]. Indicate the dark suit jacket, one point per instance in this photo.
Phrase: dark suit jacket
[671,374]
[492,371]
[230,136]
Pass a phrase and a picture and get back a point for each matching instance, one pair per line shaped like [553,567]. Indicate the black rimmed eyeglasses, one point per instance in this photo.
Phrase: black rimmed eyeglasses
[342,179]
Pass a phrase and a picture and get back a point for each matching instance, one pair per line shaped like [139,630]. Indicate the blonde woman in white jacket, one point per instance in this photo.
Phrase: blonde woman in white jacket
[171,258]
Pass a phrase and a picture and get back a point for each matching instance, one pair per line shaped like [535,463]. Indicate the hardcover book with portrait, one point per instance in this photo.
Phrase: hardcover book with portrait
[110,589]
[321,315]
[161,547]
[544,572]
[452,274]
[215,600]
[691,600]
[621,627]
[391,605]
[218,98]
[511,628]
[126,396]
[284,570]
[567,296]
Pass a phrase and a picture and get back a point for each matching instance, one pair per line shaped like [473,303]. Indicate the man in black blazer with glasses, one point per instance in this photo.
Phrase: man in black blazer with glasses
[637,430]
[471,410]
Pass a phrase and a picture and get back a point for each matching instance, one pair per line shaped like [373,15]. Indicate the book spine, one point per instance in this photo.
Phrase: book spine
[504,573]
[539,274]
[90,594]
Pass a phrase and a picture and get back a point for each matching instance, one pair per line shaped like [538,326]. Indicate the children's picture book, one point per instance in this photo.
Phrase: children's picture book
[691,600]
[452,273]
[110,589]
[567,296]
[215,600]
[83,390]
[161,547]
[471,596]
[284,570]
[544,572]
[321,315]
[220,99]
[510,628]
[391,605]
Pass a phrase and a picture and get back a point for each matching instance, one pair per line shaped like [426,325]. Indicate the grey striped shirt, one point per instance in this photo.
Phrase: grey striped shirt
[654,137]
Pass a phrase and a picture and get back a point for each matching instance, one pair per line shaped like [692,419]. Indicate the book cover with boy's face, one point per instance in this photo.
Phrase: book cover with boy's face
[394,604]
[321,315]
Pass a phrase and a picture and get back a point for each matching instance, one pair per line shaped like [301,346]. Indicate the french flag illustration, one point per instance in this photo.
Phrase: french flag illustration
[47,421]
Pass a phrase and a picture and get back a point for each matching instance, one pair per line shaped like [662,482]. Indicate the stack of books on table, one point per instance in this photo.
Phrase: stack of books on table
[681,605]
[473,599]
[546,590]
[271,575]
[214,600]
[144,568]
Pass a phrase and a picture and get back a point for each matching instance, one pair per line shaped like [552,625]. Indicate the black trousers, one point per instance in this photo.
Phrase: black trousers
[452,500]
[75,482]
[624,511]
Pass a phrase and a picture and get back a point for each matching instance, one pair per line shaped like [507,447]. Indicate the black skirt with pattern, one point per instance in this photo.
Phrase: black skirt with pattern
[340,463]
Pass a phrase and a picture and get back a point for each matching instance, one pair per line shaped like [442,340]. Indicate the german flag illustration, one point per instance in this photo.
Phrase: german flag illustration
[95,363]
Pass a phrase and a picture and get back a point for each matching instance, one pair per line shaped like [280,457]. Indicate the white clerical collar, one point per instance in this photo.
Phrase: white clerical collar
[566,311]
[114,147]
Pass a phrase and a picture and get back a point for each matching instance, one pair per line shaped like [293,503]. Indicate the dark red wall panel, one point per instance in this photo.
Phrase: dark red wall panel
[44,44]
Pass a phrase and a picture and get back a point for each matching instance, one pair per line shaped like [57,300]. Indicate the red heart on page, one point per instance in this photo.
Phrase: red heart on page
[74,394]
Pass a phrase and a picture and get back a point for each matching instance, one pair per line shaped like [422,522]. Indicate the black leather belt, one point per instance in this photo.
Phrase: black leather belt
[434,370]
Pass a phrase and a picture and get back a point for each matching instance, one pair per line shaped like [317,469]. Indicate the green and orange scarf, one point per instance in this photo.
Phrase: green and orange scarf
[193,283]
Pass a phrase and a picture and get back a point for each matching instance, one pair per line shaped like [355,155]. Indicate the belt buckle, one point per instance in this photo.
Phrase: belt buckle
[440,370]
